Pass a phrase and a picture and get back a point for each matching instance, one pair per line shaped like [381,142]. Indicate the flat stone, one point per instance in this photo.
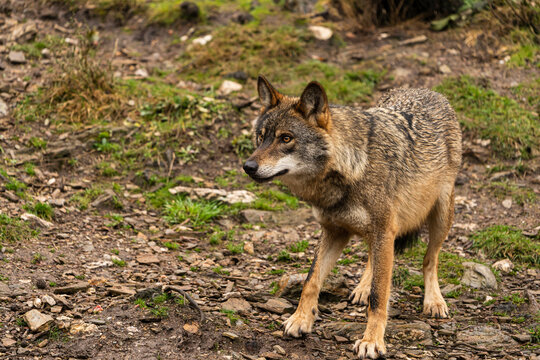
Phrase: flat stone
[271,355]
[415,40]
[280,350]
[236,304]
[147,259]
[121,290]
[57,309]
[5,291]
[37,321]
[192,328]
[522,338]
[3,108]
[489,337]
[230,335]
[228,87]
[340,339]
[277,306]
[478,276]
[445,69]
[36,221]
[507,203]
[17,57]
[80,327]
[8,342]
[73,288]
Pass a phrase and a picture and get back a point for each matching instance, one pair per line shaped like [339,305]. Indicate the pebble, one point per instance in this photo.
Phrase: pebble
[230,335]
[37,321]
[228,87]
[321,32]
[445,69]
[17,57]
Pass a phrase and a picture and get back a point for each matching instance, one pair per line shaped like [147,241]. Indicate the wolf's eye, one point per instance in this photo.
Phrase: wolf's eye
[259,138]
[286,138]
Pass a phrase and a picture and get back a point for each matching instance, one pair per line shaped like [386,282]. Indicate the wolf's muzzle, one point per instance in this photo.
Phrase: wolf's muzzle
[251,167]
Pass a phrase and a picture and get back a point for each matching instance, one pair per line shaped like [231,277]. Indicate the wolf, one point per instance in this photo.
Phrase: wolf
[380,173]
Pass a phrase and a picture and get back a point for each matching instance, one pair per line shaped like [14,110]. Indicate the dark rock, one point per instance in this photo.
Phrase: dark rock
[73,288]
[242,18]
[41,284]
[189,10]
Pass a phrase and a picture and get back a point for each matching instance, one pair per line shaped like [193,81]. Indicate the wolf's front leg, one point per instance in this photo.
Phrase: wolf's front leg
[382,255]
[333,241]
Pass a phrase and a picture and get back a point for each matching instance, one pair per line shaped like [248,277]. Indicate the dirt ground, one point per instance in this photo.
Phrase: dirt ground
[106,280]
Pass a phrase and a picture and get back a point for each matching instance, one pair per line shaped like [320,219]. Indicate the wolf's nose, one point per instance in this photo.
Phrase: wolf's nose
[251,167]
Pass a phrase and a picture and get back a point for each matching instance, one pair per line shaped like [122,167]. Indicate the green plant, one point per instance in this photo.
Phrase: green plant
[118,262]
[501,241]
[198,213]
[235,248]
[171,245]
[37,143]
[43,210]
[14,229]
[30,169]
[510,127]
[284,256]
[37,258]
[299,246]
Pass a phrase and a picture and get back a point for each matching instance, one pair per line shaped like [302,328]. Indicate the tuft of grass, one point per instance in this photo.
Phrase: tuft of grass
[171,245]
[118,262]
[276,272]
[231,314]
[37,258]
[243,146]
[510,127]
[284,256]
[13,184]
[198,213]
[235,248]
[501,241]
[299,246]
[30,169]
[84,198]
[43,210]
[37,143]
[14,229]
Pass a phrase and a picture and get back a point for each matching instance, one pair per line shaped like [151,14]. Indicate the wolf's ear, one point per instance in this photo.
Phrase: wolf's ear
[267,94]
[314,104]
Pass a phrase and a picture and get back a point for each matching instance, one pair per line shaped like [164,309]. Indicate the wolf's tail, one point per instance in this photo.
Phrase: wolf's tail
[406,241]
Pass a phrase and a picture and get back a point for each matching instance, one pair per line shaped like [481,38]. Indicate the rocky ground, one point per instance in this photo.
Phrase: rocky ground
[106,252]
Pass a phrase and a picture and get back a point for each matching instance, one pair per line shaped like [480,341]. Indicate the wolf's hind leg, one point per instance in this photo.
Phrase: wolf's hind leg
[439,222]
[333,241]
[361,293]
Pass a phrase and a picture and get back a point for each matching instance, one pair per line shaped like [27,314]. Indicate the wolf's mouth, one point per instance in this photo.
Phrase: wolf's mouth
[265,179]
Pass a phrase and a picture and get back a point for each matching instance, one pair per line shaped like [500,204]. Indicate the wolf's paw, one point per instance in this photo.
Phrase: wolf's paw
[299,323]
[360,295]
[436,308]
[370,348]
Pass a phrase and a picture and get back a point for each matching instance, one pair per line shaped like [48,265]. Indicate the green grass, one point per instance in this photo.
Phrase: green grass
[43,210]
[83,198]
[231,315]
[33,49]
[520,195]
[515,298]
[171,245]
[235,248]
[284,256]
[501,241]
[197,213]
[527,92]
[30,169]
[37,143]
[118,262]
[13,184]
[14,230]
[37,258]
[299,246]
[511,128]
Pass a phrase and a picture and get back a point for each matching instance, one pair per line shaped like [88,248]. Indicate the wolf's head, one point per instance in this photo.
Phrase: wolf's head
[290,135]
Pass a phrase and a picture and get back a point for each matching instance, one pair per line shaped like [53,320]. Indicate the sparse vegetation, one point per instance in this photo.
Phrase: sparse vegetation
[13,230]
[43,210]
[197,213]
[501,241]
[512,129]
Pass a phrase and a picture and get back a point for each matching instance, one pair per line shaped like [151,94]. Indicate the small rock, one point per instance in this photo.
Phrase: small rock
[478,276]
[507,203]
[248,247]
[450,288]
[80,327]
[192,328]
[141,73]
[8,342]
[3,108]
[415,40]
[277,306]
[147,259]
[321,32]
[17,57]
[486,336]
[504,266]
[444,69]
[121,290]
[37,221]
[340,339]
[57,309]
[49,300]
[73,288]
[238,75]
[43,343]
[23,32]
[203,40]
[279,349]
[189,10]
[236,304]
[37,321]
[41,284]
[37,303]
[46,53]
[230,335]
[522,338]
[271,355]
[228,87]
